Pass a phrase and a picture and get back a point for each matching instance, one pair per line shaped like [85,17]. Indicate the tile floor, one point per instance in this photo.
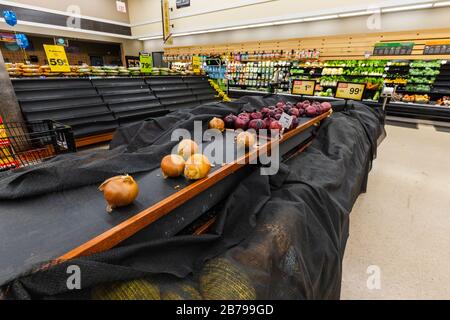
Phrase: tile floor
[402,224]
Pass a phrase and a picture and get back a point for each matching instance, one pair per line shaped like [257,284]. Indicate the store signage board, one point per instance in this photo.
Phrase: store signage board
[304,87]
[121,6]
[183,3]
[437,47]
[393,49]
[350,90]
[196,64]
[146,62]
[165,9]
[57,58]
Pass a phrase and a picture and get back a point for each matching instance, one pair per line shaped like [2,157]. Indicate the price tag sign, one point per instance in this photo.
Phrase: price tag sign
[285,120]
[196,64]
[146,62]
[57,58]
[349,90]
[304,87]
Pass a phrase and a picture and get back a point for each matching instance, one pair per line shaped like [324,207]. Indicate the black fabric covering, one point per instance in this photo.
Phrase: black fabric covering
[284,235]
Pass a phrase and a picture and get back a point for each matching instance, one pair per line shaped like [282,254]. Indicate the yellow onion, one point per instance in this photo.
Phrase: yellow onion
[172,165]
[119,191]
[245,139]
[186,148]
[217,123]
[197,167]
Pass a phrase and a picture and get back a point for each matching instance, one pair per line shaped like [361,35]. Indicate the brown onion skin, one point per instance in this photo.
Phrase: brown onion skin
[119,191]
[172,165]
[197,167]
[187,147]
[217,123]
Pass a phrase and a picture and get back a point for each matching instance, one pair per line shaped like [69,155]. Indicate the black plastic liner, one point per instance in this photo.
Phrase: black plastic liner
[277,237]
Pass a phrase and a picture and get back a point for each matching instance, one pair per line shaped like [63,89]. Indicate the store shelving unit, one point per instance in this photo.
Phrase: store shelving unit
[96,107]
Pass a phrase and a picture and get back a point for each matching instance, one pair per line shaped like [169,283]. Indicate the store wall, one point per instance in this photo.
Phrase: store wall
[145,16]
[388,22]
[78,52]
[104,9]
[130,47]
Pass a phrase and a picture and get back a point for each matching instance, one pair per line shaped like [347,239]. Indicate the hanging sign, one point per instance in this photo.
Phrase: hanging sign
[165,9]
[350,90]
[121,6]
[57,58]
[304,87]
[146,62]
[196,64]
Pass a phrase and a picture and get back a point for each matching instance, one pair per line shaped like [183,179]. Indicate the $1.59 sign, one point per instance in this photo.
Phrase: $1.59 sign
[349,90]
[146,63]
[57,59]
[304,87]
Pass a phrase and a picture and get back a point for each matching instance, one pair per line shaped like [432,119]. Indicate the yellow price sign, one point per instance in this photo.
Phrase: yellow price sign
[57,58]
[349,90]
[196,64]
[304,87]
[146,62]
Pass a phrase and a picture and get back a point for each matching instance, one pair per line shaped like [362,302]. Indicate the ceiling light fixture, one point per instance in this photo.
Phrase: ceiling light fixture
[442,4]
[359,13]
[406,8]
[333,16]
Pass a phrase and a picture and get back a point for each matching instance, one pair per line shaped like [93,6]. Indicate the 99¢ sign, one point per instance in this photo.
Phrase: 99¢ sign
[349,90]
[304,87]
[57,59]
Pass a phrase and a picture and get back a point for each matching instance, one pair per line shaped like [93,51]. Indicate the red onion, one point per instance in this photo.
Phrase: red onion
[241,123]
[326,106]
[229,121]
[275,125]
[257,124]
[256,115]
[294,112]
[311,111]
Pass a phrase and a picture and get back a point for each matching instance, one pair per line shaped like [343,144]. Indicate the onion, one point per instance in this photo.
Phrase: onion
[186,148]
[257,124]
[197,167]
[311,111]
[295,122]
[256,115]
[217,123]
[172,165]
[241,123]
[326,106]
[280,105]
[119,191]
[245,139]
[229,121]
[294,112]
[275,125]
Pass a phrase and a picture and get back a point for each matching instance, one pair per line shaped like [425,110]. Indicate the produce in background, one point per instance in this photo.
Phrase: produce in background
[221,280]
[197,167]
[131,290]
[119,191]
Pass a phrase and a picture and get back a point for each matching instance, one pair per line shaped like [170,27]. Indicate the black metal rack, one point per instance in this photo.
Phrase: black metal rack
[99,105]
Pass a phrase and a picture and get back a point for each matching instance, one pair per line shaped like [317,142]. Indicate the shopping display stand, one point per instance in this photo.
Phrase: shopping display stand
[129,227]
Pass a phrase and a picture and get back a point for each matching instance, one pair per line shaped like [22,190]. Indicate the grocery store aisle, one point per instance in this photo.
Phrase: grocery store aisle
[402,224]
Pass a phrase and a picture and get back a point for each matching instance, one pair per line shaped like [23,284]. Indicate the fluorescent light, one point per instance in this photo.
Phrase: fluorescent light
[287,22]
[333,16]
[355,14]
[150,38]
[415,7]
[442,4]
